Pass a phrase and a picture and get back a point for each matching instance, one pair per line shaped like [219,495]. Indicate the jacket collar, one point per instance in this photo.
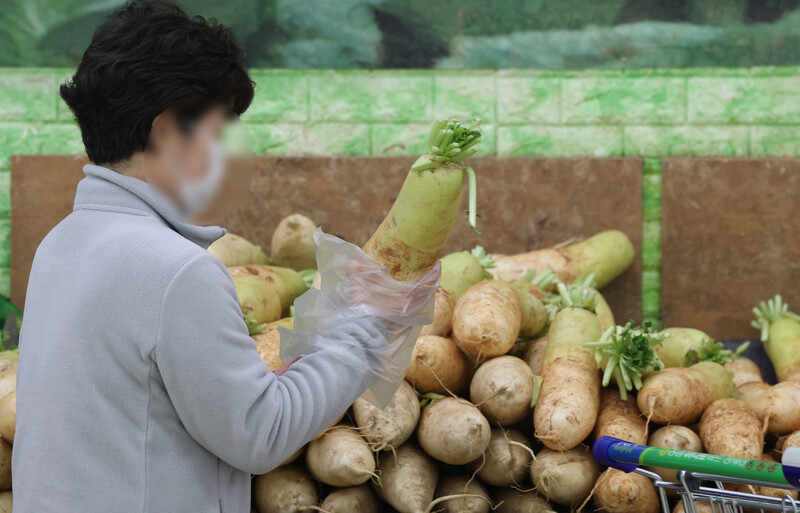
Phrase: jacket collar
[104,189]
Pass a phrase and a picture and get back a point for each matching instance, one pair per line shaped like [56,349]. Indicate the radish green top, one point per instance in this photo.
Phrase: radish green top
[770,311]
[626,352]
[485,259]
[542,280]
[713,351]
[450,141]
[575,296]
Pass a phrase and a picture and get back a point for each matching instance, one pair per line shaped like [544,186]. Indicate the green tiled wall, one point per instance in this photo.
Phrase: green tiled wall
[643,113]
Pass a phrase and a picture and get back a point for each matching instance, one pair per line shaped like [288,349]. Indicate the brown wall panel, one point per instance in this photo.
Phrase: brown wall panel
[730,239]
[524,204]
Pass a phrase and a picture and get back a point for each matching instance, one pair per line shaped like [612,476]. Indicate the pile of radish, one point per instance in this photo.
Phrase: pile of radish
[521,369]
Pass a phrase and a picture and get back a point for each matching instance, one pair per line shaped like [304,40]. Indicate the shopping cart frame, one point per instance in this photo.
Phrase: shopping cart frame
[690,489]
[695,486]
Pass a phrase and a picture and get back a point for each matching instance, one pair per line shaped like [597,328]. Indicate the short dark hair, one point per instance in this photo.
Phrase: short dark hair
[146,58]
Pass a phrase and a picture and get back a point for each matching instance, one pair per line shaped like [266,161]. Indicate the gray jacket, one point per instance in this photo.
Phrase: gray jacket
[139,389]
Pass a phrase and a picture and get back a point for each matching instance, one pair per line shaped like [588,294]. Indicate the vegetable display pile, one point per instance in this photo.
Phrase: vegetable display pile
[522,368]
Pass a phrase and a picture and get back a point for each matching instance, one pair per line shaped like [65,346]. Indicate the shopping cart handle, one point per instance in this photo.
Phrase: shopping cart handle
[627,457]
[615,453]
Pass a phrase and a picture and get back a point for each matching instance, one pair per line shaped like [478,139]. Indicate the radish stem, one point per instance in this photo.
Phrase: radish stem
[485,259]
[770,311]
[451,141]
[537,388]
[253,327]
[543,280]
[429,398]
[308,276]
[577,297]
[473,199]
[626,352]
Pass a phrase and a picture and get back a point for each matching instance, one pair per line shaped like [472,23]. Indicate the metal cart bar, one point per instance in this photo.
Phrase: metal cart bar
[698,468]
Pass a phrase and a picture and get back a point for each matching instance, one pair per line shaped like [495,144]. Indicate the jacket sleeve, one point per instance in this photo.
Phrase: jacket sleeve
[222,390]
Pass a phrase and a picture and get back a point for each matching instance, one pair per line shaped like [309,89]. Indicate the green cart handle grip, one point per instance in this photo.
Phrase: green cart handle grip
[627,457]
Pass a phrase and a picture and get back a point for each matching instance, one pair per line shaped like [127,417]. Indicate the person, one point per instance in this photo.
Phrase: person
[139,388]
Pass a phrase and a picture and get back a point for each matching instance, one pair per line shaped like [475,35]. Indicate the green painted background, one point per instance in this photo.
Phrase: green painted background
[474,34]
[736,112]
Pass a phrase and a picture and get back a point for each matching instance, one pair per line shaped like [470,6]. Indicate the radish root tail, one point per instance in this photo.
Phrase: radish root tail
[445,498]
[438,380]
[591,493]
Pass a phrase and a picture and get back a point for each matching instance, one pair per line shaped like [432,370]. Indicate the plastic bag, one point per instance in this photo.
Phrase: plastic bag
[356,290]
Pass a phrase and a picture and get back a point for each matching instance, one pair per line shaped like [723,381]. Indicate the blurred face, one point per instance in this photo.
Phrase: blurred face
[188,165]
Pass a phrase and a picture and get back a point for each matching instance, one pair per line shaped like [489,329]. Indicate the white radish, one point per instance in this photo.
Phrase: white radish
[234,250]
[503,389]
[8,417]
[438,366]
[620,492]
[777,407]
[744,371]
[620,418]
[565,477]
[507,460]
[459,494]
[356,499]
[569,401]
[293,243]
[492,314]
[294,457]
[5,466]
[444,303]
[453,431]
[511,500]
[388,428]
[534,355]
[8,372]
[407,479]
[678,438]
[702,507]
[285,490]
[340,457]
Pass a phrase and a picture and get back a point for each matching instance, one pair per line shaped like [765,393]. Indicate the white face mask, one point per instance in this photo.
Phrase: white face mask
[195,196]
